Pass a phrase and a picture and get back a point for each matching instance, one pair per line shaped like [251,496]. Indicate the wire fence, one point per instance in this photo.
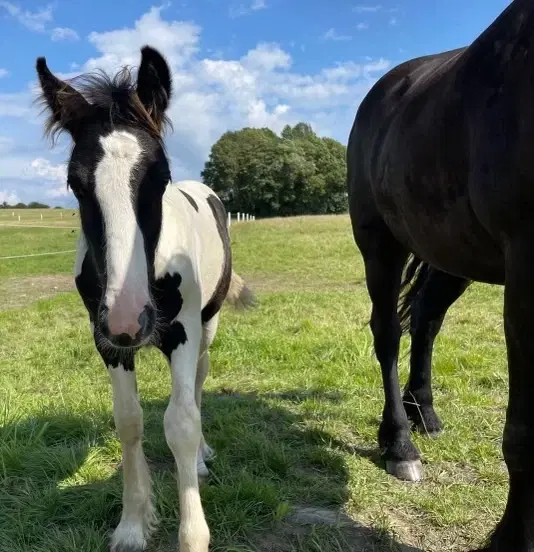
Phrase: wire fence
[237,217]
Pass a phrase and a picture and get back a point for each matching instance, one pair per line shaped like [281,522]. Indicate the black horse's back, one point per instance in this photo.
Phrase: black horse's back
[408,158]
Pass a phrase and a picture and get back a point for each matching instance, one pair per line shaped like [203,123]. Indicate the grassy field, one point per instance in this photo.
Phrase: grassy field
[292,407]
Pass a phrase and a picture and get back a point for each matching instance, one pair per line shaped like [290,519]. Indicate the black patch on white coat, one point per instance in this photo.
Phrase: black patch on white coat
[213,306]
[116,359]
[169,302]
[89,288]
[190,199]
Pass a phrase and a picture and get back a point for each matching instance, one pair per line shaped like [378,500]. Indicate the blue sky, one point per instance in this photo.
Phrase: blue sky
[235,63]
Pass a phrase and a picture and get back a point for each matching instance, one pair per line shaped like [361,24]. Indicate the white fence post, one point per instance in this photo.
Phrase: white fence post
[41,216]
[19,218]
[229,219]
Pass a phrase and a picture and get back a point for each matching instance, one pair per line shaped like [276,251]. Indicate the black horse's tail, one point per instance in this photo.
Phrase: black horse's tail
[415,276]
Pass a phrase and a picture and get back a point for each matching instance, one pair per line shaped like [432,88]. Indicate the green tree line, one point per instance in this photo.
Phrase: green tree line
[254,170]
[31,205]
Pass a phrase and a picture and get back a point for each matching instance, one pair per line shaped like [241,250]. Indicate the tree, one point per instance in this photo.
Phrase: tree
[257,171]
[37,205]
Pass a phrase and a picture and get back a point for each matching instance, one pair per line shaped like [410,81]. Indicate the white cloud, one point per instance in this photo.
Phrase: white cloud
[332,34]
[362,26]
[239,10]
[38,21]
[15,105]
[368,8]
[178,39]
[3,73]
[32,20]
[211,95]
[64,33]
[60,191]
[267,57]
[45,170]
[10,197]
[393,21]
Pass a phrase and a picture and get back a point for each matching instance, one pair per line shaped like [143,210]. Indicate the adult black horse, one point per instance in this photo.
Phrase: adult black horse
[441,181]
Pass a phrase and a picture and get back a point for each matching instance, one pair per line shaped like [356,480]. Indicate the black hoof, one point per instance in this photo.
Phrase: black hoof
[424,419]
[405,470]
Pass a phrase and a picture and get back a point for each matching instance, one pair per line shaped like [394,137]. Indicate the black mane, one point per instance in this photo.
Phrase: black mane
[112,98]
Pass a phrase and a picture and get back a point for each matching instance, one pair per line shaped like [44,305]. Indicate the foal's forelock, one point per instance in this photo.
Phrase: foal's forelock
[127,286]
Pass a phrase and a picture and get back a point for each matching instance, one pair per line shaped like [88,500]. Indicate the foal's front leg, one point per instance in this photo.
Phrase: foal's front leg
[138,515]
[183,426]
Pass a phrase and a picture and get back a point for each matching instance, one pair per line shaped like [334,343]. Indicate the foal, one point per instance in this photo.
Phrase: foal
[153,267]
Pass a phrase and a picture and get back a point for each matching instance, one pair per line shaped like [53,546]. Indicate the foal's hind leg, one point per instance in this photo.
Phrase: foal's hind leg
[205,452]
[384,261]
[440,290]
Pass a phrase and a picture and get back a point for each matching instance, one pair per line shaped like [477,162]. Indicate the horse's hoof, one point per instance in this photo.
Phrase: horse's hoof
[433,434]
[424,419]
[406,470]
[209,453]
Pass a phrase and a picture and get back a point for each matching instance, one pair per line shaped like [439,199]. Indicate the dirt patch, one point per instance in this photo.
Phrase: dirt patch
[312,528]
[20,292]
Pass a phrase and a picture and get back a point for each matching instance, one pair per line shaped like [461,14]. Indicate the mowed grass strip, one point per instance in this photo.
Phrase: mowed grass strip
[291,406]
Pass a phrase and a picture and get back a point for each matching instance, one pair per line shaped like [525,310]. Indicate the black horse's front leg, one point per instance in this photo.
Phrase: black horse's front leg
[515,531]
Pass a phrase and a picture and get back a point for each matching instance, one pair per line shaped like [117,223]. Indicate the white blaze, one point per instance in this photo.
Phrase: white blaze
[126,265]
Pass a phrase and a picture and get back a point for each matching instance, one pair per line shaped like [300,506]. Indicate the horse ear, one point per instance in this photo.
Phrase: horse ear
[65,104]
[154,86]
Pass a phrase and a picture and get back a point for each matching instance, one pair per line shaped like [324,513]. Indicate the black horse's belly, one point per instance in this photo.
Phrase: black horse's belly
[444,232]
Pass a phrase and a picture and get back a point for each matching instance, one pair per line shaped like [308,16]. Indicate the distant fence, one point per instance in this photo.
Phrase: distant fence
[21,214]
[240,217]
[232,217]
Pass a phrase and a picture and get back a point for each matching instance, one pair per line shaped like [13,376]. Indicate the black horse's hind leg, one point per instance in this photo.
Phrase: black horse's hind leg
[428,309]
[384,261]
[515,532]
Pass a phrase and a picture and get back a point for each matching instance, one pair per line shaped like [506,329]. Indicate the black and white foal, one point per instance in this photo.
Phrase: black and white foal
[153,267]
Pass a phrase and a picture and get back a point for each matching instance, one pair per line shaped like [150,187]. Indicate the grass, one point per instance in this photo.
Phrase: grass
[291,406]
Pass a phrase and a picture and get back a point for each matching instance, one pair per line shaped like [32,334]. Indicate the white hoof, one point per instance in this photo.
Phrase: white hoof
[128,538]
[195,539]
[133,537]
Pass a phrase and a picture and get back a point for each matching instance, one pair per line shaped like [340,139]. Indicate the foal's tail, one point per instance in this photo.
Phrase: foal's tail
[239,295]
[415,276]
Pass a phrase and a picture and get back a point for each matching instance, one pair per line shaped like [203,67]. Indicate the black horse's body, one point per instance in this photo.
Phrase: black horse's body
[441,168]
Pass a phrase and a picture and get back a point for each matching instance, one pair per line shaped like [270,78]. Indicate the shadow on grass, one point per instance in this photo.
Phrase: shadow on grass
[275,484]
